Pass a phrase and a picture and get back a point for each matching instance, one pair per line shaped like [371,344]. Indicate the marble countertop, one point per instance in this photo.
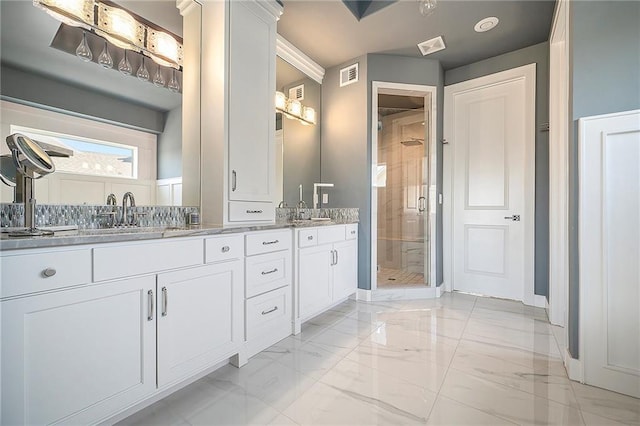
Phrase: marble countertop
[111,235]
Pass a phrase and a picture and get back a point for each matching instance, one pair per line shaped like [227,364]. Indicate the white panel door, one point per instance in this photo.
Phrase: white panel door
[200,318]
[77,356]
[610,251]
[490,130]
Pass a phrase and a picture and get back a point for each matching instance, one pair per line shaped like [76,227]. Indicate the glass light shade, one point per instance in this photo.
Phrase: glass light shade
[281,101]
[158,78]
[164,47]
[294,108]
[105,58]
[125,66]
[309,114]
[427,7]
[119,27]
[84,51]
[143,72]
[70,12]
[173,84]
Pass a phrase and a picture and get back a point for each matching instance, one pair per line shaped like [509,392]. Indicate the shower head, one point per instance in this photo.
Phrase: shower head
[412,142]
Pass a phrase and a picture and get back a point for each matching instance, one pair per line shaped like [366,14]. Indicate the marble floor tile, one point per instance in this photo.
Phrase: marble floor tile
[427,325]
[595,420]
[326,405]
[447,412]
[282,420]
[385,390]
[237,407]
[158,413]
[507,403]
[542,343]
[353,327]
[607,404]
[311,359]
[336,341]
[412,366]
[536,379]
[511,320]
[510,306]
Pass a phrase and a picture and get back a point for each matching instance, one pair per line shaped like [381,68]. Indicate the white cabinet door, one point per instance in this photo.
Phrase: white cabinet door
[251,111]
[314,278]
[200,318]
[80,355]
[345,269]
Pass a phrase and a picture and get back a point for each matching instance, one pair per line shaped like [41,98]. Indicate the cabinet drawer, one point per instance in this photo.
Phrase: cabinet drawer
[144,258]
[267,272]
[351,231]
[27,273]
[251,211]
[331,234]
[267,311]
[223,248]
[307,237]
[267,242]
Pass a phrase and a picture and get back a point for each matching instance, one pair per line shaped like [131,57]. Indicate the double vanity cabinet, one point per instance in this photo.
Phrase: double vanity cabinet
[91,330]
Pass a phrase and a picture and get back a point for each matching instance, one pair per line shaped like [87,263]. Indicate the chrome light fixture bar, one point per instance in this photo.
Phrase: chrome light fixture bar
[117,26]
[292,108]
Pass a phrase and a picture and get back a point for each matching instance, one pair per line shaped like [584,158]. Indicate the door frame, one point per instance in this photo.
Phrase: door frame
[558,166]
[528,74]
[430,94]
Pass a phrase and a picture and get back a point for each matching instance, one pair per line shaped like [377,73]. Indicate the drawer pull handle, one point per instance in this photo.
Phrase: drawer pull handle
[234,180]
[165,301]
[275,308]
[225,249]
[150,299]
[266,243]
[254,211]
[49,272]
[310,237]
[270,272]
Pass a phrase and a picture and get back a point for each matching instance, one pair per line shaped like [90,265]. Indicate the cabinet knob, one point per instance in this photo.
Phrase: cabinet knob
[353,232]
[225,249]
[49,272]
[310,237]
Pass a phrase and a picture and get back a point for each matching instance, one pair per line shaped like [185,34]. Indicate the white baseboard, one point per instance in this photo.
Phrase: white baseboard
[364,295]
[539,301]
[573,367]
[398,294]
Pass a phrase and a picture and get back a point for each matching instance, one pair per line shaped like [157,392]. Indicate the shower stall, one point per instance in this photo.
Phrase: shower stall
[402,187]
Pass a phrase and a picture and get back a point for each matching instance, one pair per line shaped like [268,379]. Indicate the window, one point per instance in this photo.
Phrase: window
[90,156]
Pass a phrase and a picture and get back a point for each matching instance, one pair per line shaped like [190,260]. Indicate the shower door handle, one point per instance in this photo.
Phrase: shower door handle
[422,204]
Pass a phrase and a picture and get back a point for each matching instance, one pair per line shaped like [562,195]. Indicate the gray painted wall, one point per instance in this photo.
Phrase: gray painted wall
[345,158]
[39,91]
[409,70]
[302,148]
[538,54]
[170,146]
[605,78]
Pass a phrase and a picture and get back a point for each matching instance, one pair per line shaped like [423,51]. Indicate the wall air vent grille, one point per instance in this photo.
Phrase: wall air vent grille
[297,93]
[349,75]
[431,46]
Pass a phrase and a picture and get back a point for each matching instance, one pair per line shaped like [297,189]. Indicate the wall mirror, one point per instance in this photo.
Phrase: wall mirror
[126,133]
[297,143]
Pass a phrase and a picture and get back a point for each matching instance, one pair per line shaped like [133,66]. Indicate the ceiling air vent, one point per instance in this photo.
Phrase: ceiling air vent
[349,75]
[297,93]
[430,46]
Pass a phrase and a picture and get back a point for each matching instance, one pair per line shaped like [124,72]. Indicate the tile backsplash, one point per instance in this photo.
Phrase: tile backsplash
[92,216]
[339,215]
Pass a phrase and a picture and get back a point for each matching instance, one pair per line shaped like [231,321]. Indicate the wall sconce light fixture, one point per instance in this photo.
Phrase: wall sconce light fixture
[117,26]
[292,108]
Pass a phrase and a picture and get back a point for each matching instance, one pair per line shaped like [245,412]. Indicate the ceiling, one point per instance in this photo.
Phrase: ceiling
[330,33]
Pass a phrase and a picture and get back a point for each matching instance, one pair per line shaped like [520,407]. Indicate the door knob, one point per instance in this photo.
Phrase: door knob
[515,217]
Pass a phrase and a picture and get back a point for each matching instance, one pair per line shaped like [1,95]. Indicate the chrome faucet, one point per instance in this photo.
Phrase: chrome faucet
[111,201]
[125,210]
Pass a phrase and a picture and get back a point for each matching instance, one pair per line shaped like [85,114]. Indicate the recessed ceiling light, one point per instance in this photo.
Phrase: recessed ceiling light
[486,24]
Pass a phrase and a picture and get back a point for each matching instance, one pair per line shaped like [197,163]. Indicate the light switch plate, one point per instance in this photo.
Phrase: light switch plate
[325,198]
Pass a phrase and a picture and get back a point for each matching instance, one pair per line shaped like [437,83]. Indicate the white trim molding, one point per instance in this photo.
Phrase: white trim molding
[297,58]
[558,165]
[407,293]
[573,367]
[430,93]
